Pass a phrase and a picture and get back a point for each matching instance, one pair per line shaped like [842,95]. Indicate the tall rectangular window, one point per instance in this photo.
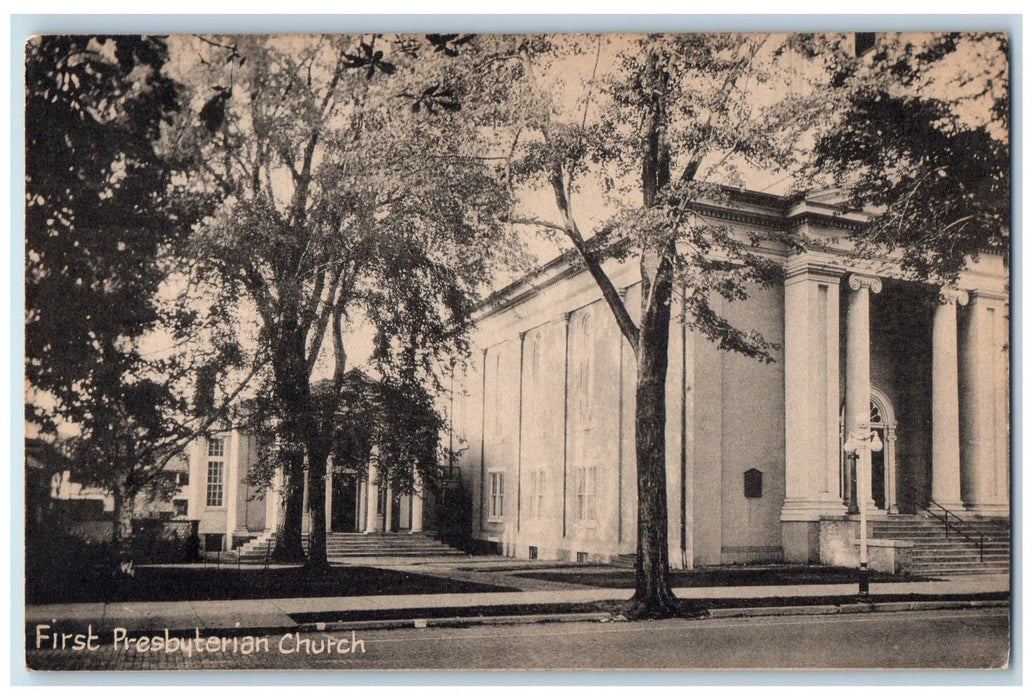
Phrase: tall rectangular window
[586,496]
[537,403]
[213,490]
[216,447]
[536,503]
[496,504]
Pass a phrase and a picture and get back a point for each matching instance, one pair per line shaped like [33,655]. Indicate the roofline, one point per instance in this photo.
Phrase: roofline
[791,213]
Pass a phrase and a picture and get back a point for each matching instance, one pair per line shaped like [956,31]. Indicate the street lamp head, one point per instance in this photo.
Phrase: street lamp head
[850,445]
[876,442]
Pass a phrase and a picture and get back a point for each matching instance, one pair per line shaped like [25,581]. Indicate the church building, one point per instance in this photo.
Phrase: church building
[911,378]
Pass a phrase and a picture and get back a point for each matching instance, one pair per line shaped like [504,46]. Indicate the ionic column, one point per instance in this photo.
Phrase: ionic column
[231,480]
[890,450]
[328,491]
[274,502]
[984,485]
[306,517]
[416,515]
[946,420]
[372,494]
[857,406]
[389,498]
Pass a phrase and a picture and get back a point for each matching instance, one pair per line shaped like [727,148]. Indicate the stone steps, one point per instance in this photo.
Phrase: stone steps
[341,545]
[257,548]
[939,553]
[380,544]
[624,561]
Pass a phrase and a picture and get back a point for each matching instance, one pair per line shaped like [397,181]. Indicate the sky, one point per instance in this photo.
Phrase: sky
[570,81]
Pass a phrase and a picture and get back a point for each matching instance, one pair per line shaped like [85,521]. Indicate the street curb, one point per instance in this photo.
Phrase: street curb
[851,608]
[459,621]
[545,618]
[456,621]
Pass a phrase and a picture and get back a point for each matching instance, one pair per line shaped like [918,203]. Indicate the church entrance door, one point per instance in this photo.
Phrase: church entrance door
[344,503]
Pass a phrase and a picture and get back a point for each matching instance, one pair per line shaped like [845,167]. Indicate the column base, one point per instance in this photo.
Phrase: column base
[953,506]
[805,510]
[989,510]
[871,507]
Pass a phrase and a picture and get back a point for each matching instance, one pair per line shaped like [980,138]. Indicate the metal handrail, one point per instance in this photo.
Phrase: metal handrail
[945,517]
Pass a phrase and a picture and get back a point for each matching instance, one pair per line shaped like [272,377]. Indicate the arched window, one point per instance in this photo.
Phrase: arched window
[883,422]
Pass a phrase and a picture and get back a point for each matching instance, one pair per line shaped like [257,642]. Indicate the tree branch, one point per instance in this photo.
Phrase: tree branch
[610,293]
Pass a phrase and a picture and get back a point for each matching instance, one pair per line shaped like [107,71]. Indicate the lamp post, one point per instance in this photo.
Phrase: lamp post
[855,447]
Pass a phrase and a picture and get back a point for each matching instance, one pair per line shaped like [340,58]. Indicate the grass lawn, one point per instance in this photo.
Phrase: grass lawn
[720,576]
[169,583]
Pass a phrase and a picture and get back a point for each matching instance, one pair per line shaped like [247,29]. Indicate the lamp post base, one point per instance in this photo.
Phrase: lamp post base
[862,580]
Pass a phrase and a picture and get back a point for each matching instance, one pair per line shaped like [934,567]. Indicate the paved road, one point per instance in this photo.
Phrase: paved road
[956,639]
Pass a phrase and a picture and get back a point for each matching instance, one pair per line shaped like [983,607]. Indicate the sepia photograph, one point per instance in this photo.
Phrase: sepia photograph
[518,351]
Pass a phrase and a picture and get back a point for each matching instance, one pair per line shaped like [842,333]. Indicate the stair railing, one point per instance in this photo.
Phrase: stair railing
[980,537]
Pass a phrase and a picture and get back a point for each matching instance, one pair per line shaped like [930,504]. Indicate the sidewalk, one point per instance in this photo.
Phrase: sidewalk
[271,615]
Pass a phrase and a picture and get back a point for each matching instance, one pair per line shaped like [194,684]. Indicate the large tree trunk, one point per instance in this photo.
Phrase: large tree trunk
[288,538]
[653,595]
[317,562]
[294,402]
[122,538]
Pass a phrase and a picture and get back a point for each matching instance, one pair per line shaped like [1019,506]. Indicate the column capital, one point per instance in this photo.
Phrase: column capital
[567,315]
[857,280]
[950,295]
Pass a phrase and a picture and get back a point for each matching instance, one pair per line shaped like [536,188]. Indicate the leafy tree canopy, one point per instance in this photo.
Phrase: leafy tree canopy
[106,219]
[920,138]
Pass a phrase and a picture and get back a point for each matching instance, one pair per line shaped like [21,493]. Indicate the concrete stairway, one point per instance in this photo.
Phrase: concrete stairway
[937,554]
[341,545]
[624,561]
[257,550]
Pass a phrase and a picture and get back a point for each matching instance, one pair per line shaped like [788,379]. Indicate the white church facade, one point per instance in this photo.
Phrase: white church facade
[230,511]
[756,470]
